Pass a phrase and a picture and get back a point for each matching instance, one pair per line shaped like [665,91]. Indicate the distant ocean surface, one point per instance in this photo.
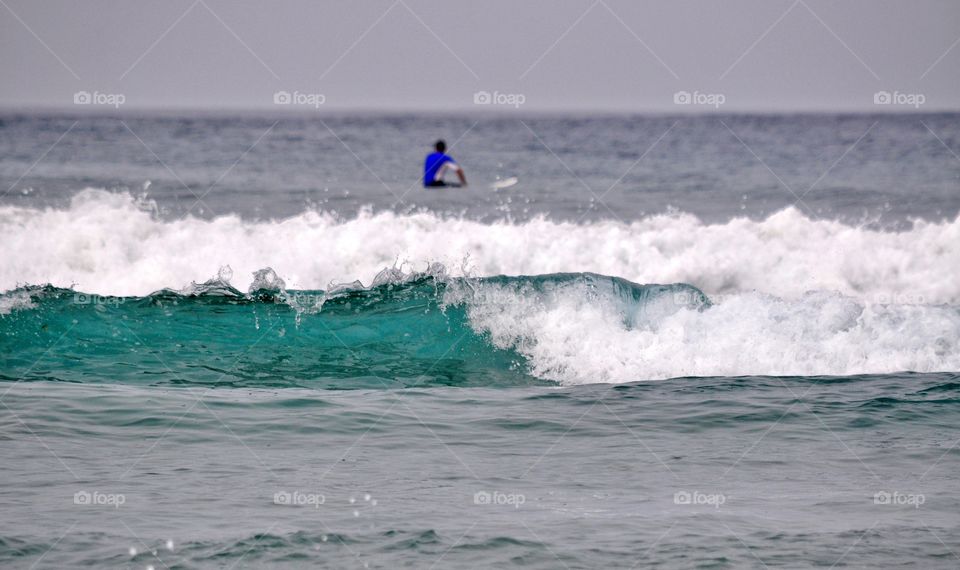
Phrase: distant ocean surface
[717,341]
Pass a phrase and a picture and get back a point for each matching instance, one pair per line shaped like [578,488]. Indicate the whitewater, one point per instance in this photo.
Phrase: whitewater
[113,243]
[785,295]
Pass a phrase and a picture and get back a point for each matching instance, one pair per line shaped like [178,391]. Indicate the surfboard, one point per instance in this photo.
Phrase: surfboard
[505,183]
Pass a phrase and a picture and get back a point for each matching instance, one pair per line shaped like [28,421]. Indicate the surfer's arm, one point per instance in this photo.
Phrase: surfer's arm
[456,168]
[452,165]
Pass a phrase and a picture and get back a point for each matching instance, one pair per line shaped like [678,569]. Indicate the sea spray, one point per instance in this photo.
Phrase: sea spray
[105,243]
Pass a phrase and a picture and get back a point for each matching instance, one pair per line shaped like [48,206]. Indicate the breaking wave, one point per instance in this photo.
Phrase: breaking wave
[113,244]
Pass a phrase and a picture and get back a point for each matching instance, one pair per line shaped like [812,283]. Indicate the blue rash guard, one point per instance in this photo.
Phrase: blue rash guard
[432,167]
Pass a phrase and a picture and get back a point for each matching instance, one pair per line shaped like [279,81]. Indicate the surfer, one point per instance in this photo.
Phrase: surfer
[436,166]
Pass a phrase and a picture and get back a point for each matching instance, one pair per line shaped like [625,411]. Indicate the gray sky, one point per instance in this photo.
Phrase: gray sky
[606,55]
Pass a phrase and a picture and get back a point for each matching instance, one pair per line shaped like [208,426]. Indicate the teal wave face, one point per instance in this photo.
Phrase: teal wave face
[398,334]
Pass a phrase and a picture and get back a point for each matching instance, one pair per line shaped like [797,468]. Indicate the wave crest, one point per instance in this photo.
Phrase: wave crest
[113,244]
[421,329]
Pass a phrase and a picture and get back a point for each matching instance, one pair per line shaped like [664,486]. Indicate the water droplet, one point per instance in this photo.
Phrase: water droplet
[133,551]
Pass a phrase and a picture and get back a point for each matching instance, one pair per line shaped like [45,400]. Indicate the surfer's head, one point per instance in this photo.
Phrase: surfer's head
[440,146]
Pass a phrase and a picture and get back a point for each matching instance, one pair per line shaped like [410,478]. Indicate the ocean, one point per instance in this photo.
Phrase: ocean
[698,341]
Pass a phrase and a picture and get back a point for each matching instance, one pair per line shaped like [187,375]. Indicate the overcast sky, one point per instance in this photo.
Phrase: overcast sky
[605,55]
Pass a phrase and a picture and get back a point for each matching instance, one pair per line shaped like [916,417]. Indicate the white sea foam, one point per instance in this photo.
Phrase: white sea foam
[107,243]
[15,300]
[573,335]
